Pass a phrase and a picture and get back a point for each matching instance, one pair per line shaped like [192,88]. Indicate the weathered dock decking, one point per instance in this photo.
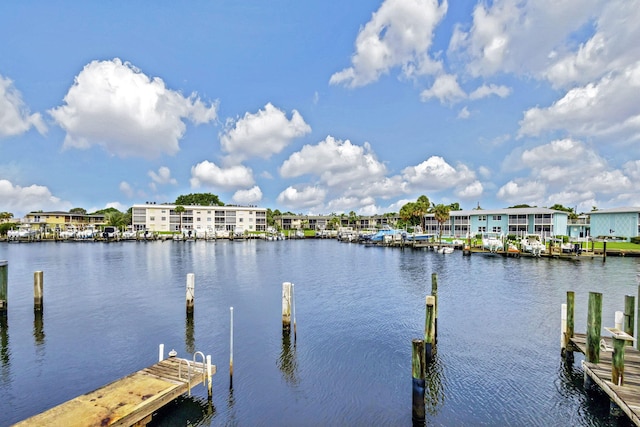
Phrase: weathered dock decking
[129,401]
[627,396]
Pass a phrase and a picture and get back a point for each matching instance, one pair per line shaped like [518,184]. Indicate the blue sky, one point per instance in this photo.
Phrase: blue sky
[322,106]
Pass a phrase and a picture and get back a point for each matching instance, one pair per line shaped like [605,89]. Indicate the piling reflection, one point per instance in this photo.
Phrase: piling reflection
[434,392]
[185,411]
[287,362]
[38,329]
[5,353]
[189,335]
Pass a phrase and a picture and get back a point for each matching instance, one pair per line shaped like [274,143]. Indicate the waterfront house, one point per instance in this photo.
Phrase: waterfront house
[57,221]
[229,218]
[516,221]
[621,223]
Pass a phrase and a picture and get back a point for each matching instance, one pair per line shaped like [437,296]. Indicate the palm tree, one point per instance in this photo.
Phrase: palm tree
[180,210]
[441,213]
[422,208]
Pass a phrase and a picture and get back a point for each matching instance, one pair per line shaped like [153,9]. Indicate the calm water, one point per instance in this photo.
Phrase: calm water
[108,306]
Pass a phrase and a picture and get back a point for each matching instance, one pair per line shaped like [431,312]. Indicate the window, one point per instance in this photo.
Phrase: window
[497,217]
[164,218]
[482,229]
[497,229]
[152,218]
[482,218]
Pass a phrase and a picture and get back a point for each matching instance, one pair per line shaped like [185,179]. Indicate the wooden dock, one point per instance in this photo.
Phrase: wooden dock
[129,401]
[627,396]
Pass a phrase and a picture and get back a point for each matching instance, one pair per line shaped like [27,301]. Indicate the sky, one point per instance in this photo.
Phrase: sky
[319,107]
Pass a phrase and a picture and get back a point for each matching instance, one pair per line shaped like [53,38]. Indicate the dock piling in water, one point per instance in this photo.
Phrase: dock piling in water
[191,284]
[231,350]
[434,292]
[38,295]
[4,285]
[429,328]
[286,305]
[418,381]
[594,324]
[629,319]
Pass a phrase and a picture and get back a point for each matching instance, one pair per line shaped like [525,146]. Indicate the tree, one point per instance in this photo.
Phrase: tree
[199,199]
[5,216]
[116,219]
[81,211]
[454,207]
[519,206]
[180,210]
[441,213]
[407,213]
[353,218]
[421,209]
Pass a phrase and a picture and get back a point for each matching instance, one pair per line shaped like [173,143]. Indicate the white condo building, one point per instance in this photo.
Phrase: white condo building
[158,218]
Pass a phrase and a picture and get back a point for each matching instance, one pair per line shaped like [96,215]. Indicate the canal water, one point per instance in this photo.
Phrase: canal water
[107,307]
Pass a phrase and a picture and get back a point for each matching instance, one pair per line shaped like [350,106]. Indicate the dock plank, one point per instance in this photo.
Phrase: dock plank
[125,402]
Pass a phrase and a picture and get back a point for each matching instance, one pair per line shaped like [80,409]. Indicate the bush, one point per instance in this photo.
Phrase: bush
[636,240]
[6,227]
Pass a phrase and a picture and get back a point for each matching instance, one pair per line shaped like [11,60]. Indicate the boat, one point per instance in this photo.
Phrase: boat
[532,243]
[445,250]
[492,242]
[68,233]
[387,234]
[129,233]
[419,235]
[110,232]
[89,232]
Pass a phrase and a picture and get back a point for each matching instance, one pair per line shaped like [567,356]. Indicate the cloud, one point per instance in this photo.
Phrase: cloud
[15,117]
[608,109]
[506,35]
[337,163]
[522,191]
[21,200]
[488,90]
[163,176]
[114,105]
[303,197]
[399,34]
[262,134]
[464,113]
[248,197]
[209,174]
[445,88]
[126,189]
[436,174]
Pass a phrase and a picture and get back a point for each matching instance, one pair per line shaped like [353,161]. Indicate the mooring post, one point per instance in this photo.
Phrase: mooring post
[638,312]
[209,377]
[629,320]
[604,250]
[570,315]
[429,328]
[619,339]
[4,285]
[286,305]
[618,319]
[293,304]
[418,381]
[563,329]
[231,350]
[434,292]
[594,325]
[191,284]
[38,285]
[160,352]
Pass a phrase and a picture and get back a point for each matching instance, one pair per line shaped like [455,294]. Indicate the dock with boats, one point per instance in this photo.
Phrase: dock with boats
[132,400]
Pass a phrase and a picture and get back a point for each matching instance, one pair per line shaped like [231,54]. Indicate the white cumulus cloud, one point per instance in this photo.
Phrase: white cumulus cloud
[247,197]
[399,34]
[126,189]
[163,176]
[209,174]
[114,105]
[15,117]
[20,200]
[262,134]
[302,198]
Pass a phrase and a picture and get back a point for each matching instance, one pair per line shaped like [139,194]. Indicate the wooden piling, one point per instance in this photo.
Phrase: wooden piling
[38,285]
[604,251]
[570,314]
[418,381]
[618,319]
[4,285]
[286,305]
[160,352]
[209,377]
[191,284]
[293,304]
[434,292]
[629,319]
[231,350]
[638,313]
[563,329]
[594,325]
[429,328]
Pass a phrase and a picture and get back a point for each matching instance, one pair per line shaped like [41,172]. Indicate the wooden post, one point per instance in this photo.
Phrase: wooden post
[293,304]
[618,318]
[570,314]
[563,329]
[594,324]
[38,285]
[638,312]
[429,328]
[434,292]
[191,284]
[604,251]
[418,380]
[629,320]
[231,350]
[160,352]
[4,285]
[286,305]
[209,377]
[619,339]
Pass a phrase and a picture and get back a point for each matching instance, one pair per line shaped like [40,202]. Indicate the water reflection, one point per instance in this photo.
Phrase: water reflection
[287,362]
[185,411]
[38,329]
[5,353]
[189,335]
[434,391]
